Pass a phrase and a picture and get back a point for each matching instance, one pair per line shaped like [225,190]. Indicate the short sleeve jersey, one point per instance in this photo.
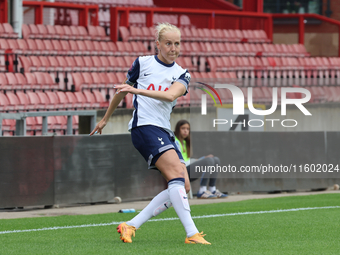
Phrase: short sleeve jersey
[148,72]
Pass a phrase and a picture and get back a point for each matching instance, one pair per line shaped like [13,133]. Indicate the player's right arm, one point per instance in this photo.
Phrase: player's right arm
[132,76]
[112,107]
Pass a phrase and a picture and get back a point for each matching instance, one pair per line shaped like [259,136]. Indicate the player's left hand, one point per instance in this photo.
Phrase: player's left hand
[125,88]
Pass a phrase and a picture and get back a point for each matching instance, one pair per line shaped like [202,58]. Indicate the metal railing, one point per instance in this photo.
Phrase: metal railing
[20,117]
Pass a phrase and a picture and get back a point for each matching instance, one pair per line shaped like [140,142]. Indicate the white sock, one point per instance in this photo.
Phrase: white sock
[179,200]
[212,189]
[202,189]
[158,204]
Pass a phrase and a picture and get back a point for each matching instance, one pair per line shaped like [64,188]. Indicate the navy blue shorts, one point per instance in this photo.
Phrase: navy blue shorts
[152,142]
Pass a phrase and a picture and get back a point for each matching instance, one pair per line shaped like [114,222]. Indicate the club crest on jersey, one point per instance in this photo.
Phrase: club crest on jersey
[173,79]
[160,139]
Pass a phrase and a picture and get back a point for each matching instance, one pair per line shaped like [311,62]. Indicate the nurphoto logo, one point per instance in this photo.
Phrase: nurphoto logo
[239,104]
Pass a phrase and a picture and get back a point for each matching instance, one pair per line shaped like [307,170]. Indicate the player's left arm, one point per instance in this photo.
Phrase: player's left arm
[177,89]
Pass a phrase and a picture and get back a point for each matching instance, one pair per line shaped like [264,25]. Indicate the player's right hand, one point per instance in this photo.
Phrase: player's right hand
[98,129]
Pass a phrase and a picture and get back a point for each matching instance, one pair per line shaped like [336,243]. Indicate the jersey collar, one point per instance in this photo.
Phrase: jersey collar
[162,63]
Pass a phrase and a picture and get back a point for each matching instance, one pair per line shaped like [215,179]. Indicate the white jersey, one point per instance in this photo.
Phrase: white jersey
[148,72]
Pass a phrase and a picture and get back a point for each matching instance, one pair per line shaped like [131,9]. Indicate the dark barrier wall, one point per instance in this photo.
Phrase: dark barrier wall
[26,171]
[83,169]
[93,169]
[73,169]
[275,148]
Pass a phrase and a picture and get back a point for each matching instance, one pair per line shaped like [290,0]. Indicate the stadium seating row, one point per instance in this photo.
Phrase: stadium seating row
[58,32]
[56,125]
[242,49]
[33,101]
[75,63]
[40,81]
[277,67]
[29,81]
[192,34]
[245,67]
[71,48]
[53,101]
[139,19]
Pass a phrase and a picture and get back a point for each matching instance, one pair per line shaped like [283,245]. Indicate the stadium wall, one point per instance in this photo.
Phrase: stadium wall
[82,169]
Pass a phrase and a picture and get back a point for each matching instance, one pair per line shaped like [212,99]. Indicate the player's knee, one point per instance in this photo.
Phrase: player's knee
[178,170]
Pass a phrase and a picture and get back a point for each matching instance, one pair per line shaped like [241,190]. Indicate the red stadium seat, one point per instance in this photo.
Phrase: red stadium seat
[35,101]
[52,33]
[60,31]
[99,98]
[8,31]
[43,31]
[4,103]
[34,31]
[82,100]
[97,64]
[83,32]
[106,64]
[79,61]
[72,99]
[54,99]
[88,81]
[92,31]
[102,34]
[25,64]
[78,82]
[98,48]
[84,48]
[14,101]
[135,33]
[106,49]
[36,64]
[64,100]
[45,101]
[75,33]
[68,33]
[124,33]
[148,35]
[22,45]
[89,64]
[98,81]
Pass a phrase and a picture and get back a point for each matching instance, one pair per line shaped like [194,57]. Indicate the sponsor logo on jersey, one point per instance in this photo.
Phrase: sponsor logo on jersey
[160,88]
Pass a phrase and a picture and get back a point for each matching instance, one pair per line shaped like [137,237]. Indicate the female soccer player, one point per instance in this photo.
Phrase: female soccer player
[182,134]
[156,82]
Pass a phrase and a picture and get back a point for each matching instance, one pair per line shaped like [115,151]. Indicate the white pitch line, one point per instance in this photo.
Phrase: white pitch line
[168,219]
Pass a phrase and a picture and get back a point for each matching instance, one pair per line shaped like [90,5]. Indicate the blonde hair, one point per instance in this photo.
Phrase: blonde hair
[162,28]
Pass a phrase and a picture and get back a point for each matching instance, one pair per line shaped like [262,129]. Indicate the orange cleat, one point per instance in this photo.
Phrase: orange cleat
[126,232]
[196,238]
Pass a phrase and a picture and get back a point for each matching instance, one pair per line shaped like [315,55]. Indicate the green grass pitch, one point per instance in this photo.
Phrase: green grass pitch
[239,231]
